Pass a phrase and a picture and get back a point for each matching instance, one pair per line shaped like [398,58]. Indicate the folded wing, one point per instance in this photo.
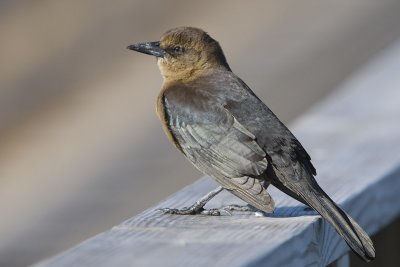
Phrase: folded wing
[222,148]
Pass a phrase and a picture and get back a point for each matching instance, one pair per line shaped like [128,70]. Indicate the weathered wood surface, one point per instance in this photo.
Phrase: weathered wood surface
[354,140]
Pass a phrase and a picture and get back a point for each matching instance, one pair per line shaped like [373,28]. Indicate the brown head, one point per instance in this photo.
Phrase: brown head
[184,53]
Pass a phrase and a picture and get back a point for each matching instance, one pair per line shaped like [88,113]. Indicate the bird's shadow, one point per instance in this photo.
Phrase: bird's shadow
[284,207]
[290,211]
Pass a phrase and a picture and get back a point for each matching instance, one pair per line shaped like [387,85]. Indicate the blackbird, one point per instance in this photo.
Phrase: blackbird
[228,133]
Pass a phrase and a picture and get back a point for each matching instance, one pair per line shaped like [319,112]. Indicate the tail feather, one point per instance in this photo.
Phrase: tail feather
[310,193]
[348,229]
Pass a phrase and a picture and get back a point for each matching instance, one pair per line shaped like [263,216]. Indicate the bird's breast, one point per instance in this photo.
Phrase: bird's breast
[164,119]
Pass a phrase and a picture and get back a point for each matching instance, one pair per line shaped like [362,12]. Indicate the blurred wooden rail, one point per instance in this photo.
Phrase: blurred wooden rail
[354,139]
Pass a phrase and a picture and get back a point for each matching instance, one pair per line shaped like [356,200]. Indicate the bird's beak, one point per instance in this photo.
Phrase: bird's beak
[150,48]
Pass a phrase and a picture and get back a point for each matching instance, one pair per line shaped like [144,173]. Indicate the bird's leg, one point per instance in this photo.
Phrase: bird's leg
[198,207]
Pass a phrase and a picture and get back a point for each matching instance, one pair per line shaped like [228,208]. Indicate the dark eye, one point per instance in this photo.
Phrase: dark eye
[178,49]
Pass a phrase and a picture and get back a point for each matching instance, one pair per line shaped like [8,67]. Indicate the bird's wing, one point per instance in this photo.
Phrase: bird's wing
[217,144]
[290,158]
[285,151]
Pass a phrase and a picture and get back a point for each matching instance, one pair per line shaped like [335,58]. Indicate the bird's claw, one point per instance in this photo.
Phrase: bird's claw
[183,211]
[235,207]
[216,212]
[195,211]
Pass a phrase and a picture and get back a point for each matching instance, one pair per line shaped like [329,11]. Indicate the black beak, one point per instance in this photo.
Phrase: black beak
[150,48]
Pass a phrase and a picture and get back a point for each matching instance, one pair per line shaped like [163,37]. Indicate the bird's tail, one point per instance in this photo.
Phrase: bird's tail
[352,233]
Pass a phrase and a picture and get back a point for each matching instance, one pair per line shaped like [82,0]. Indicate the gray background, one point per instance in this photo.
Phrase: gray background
[81,146]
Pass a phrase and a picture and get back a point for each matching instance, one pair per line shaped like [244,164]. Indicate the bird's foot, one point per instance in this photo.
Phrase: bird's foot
[193,210]
[198,207]
[196,210]
[244,208]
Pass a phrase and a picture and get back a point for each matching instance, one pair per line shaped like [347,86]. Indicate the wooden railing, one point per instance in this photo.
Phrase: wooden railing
[354,139]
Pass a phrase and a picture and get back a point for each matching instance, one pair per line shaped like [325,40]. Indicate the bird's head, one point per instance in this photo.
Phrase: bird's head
[184,53]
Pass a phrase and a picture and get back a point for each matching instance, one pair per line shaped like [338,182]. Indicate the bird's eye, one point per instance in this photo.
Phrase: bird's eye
[178,49]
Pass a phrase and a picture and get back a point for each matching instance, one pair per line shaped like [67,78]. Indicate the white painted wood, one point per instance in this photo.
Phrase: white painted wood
[354,140]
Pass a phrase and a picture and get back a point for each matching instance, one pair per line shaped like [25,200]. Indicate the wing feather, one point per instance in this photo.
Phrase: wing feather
[224,149]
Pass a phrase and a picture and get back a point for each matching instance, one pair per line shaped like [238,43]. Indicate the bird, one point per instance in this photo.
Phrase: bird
[228,133]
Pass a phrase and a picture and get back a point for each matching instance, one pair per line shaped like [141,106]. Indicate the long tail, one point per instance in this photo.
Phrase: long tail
[352,233]
[310,193]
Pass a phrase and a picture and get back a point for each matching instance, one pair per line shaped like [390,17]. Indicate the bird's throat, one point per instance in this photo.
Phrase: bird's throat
[172,73]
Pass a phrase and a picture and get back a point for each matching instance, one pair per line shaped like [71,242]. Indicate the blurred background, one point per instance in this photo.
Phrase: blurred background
[81,148]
